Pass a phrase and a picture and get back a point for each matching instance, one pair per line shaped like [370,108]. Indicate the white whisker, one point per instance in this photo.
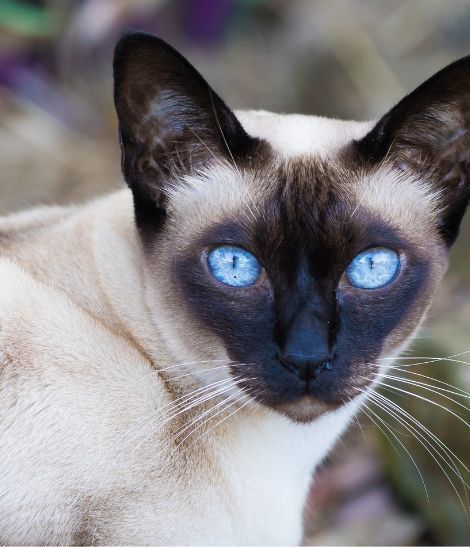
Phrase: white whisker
[430,401]
[198,418]
[425,443]
[424,429]
[428,360]
[208,370]
[223,419]
[191,363]
[433,389]
[399,369]
[402,445]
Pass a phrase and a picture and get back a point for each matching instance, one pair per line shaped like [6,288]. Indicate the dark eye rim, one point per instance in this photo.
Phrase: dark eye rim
[344,280]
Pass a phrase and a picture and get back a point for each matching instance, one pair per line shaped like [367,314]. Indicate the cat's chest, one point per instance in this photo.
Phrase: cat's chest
[268,463]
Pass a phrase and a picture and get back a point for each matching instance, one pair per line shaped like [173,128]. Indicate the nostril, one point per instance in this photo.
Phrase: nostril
[306,367]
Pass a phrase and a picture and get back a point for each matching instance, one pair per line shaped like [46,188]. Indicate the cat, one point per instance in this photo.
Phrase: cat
[177,357]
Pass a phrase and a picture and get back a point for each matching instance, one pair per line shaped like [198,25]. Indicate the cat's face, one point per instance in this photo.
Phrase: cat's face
[300,266]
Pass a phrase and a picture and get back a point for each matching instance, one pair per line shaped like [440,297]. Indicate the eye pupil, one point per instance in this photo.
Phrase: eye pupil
[373,268]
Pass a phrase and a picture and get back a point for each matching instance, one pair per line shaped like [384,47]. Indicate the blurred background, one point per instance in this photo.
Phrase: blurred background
[397,478]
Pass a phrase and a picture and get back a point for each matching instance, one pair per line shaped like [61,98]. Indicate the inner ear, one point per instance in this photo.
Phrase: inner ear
[428,132]
[171,122]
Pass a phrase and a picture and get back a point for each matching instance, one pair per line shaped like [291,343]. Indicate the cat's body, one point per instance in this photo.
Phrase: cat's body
[110,317]
[91,466]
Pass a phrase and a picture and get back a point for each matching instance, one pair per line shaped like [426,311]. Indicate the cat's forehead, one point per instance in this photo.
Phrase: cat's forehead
[314,179]
[292,135]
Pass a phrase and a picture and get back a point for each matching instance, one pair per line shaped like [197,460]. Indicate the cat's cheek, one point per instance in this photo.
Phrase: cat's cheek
[383,318]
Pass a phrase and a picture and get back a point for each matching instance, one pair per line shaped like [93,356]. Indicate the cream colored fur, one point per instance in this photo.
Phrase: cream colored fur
[86,453]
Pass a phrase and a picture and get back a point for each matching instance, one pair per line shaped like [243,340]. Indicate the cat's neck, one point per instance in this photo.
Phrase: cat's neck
[268,458]
[118,258]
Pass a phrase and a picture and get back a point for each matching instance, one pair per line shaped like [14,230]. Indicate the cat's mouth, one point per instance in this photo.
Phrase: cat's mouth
[287,392]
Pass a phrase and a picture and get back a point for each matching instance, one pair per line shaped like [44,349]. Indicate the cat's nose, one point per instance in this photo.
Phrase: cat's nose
[307,367]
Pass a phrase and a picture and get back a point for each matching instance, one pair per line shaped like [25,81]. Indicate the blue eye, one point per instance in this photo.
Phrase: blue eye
[373,268]
[234,266]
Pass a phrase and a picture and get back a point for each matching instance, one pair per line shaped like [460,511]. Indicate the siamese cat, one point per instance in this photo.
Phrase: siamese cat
[176,358]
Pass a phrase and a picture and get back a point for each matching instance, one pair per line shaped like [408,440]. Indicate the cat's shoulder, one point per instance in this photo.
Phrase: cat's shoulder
[35,318]
[22,295]
[18,226]
[17,288]
[43,328]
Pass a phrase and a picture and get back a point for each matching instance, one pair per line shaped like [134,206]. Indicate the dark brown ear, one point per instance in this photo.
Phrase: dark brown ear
[171,122]
[429,132]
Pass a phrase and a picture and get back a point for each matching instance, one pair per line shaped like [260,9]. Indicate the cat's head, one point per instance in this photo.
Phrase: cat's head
[296,249]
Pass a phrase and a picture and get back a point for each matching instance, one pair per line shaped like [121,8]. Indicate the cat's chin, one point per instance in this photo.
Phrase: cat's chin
[305,410]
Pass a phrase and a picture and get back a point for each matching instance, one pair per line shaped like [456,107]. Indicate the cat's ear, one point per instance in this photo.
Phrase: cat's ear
[429,132]
[171,122]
